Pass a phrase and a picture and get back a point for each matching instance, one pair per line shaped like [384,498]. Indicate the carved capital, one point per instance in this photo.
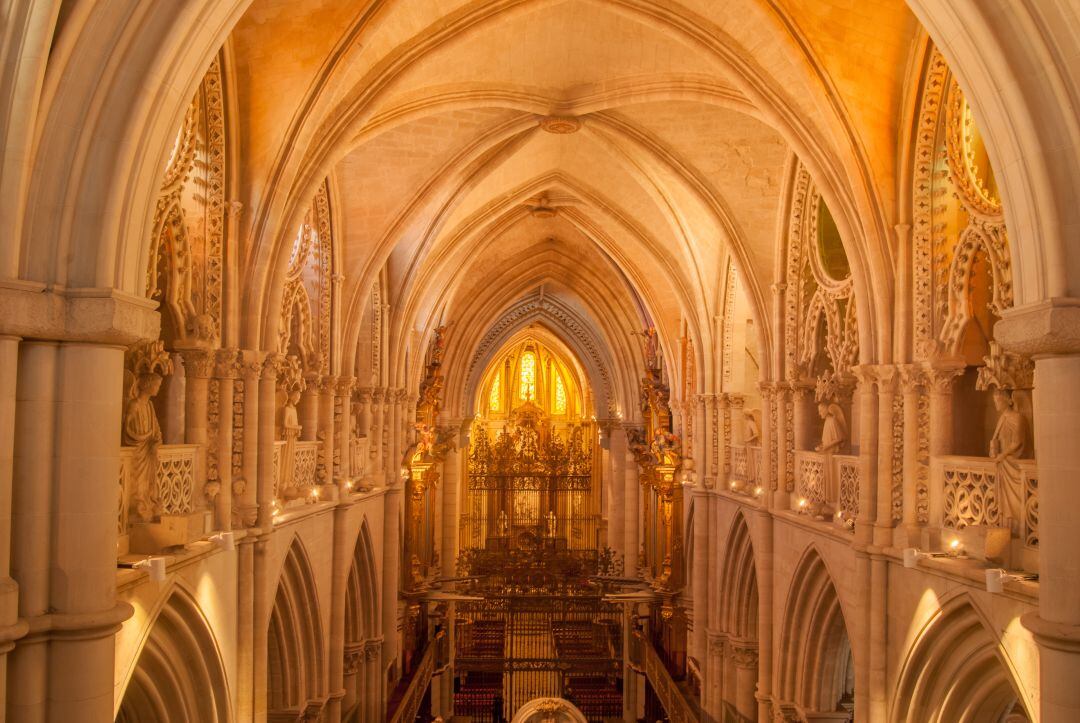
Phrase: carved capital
[271,365]
[345,386]
[198,363]
[940,376]
[363,395]
[1005,370]
[912,377]
[744,654]
[888,378]
[229,364]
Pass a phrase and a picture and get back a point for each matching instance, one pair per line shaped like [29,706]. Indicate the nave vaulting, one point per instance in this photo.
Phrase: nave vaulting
[539,360]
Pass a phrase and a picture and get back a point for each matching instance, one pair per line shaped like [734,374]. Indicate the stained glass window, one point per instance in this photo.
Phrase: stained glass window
[496,392]
[560,396]
[527,383]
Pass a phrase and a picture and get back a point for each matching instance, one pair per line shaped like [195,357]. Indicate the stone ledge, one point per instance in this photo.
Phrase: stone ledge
[1043,328]
[100,316]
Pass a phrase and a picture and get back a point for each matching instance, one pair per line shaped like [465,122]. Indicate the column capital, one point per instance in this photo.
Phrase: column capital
[345,386]
[940,375]
[1044,328]
[198,363]
[229,363]
[271,365]
[911,377]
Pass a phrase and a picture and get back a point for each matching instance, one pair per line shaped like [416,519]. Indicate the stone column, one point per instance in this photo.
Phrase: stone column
[804,414]
[723,441]
[617,502]
[261,605]
[363,398]
[10,627]
[940,377]
[1048,332]
[378,469]
[341,559]
[343,433]
[171,403]
[391,581]
[763,565]
[745,656]
[711,470]
[701,439]
[32,499]
[632,518]
[776,496]
[712,695]
[246,506]
[264,495]
[227,370]
[868,444]
[451,490]
[198,368]
[327,388]
[83,610]
[245,630]
[911,379]
[887,381]
[308,408]
[700,583]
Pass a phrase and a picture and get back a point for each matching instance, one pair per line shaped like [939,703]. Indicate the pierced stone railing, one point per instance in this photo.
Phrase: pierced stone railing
[847,475]
[305,465]
[827,484]
[965,492]
[174,482]
[740,463]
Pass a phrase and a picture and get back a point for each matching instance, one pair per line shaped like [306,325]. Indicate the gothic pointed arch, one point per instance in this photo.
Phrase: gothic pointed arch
[738,583]
[295,666]
[361,592]
[576,333]
[815,654]
[179,675]
[957,672]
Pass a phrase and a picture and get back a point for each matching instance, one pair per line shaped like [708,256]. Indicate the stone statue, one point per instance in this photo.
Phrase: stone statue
[834,431]
[149,363]
[551,523]
[504,526]
[290,384]
[1006,448]
[753,430]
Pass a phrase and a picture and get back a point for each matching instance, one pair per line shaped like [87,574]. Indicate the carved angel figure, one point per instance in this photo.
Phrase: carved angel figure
[1006,447]
[753,430]
[141,431]
[834,431]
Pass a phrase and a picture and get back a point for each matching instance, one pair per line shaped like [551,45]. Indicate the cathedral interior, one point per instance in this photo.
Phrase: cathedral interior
[540,361]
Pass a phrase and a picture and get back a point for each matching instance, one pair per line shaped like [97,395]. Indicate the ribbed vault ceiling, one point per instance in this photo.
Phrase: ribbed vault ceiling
[430,120]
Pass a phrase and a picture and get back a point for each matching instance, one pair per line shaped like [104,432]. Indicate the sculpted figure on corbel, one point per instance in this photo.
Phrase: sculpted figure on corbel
[834,431]
[290,384]
[1009,377]
[147,364]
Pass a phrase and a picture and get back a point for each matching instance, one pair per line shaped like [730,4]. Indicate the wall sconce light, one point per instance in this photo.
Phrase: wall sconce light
[913,555]
[349,486]
[996,579]
[955,549]
[156,567]
[803,503]
[758,491]
[225,540]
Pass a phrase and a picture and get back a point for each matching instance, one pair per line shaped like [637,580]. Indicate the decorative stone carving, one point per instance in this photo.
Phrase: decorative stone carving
[753,427]
[1005,370]
[290,385]
[834,430]
[148,362]
[1006,448]
[560,125]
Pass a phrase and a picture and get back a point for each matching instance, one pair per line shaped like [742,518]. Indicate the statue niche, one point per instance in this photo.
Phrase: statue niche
[148,364]
[290,385]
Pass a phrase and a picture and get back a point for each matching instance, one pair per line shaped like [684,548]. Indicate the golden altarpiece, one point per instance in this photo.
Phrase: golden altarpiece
[530,538]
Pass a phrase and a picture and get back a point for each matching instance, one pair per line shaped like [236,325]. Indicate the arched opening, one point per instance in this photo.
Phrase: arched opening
[957,673]
[816,668]
[179,675]
[736,680]
[295,661]
[363,644]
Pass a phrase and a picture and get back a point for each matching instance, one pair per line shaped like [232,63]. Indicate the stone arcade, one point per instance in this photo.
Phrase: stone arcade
[540,360]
